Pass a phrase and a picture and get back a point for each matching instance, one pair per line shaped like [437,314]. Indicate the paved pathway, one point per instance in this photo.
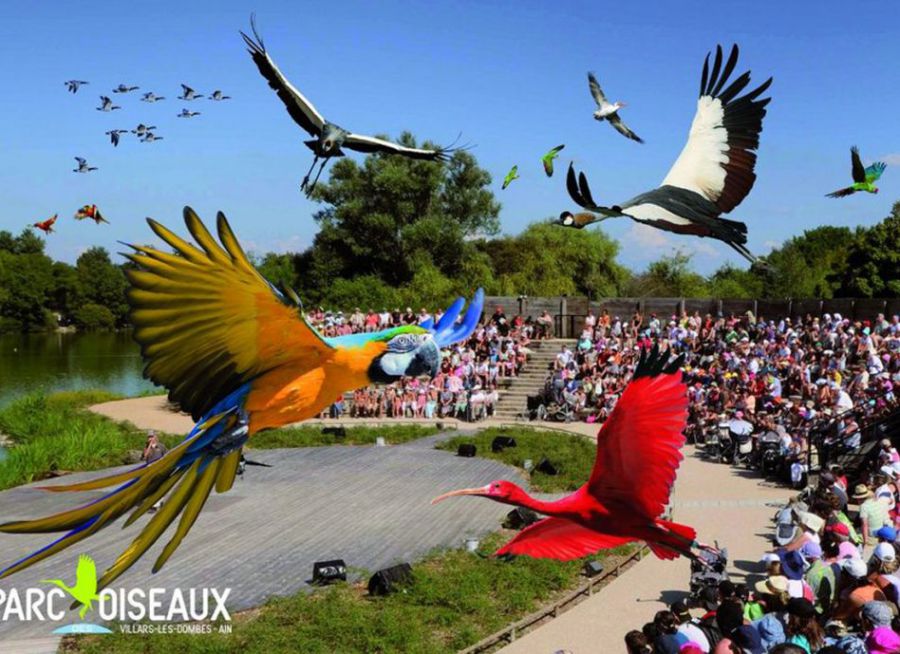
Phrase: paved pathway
[367,505]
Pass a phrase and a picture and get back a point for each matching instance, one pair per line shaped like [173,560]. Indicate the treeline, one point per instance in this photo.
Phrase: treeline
[394,232]
[37,293]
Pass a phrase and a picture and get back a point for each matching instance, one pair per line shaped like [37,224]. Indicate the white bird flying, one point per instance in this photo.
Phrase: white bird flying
[713,173]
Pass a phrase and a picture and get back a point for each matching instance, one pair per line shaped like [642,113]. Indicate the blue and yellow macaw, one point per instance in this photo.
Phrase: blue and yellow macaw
[238,354]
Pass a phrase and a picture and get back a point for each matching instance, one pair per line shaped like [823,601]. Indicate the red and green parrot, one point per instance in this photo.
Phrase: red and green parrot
[90,211]
[238,354]
[863,178]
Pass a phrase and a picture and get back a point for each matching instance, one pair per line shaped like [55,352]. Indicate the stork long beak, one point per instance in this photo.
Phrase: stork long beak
[481,490]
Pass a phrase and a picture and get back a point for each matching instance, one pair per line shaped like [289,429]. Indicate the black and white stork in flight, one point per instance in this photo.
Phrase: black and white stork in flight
[711,176]
[328,137]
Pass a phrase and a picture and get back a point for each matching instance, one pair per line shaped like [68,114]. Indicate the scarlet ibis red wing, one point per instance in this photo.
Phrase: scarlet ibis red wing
[558,538]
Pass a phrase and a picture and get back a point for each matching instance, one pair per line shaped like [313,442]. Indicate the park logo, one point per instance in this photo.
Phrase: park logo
[155,609]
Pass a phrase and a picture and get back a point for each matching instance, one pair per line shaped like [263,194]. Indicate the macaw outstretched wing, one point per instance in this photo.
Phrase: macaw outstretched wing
[208,322]
[873,172]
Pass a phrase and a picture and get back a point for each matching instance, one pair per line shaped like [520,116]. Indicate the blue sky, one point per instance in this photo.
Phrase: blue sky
[509,75]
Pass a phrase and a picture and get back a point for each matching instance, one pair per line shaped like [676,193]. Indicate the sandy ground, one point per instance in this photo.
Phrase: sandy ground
[731,506]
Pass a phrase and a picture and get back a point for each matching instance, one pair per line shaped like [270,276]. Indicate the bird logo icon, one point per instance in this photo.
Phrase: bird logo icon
[85,589]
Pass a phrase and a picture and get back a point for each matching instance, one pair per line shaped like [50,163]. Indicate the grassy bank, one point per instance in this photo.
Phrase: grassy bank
[572,455]
[455,599]
[56,433]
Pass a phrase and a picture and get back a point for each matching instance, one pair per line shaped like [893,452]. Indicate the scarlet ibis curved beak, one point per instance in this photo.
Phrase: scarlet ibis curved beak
[481,490]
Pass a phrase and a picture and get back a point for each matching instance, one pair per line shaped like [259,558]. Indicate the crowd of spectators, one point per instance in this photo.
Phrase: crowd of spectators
[792,377]
[832,587]
[471,372]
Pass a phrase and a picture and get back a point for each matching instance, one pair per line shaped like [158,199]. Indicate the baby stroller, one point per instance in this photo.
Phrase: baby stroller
[708,572]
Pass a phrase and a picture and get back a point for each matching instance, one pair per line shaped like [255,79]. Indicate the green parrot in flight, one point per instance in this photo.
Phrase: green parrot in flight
[85,589]
[548,158]
[510,176]
[863,178]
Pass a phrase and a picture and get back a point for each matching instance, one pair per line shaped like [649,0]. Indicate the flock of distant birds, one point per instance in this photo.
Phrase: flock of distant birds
[144,133]
[711,176]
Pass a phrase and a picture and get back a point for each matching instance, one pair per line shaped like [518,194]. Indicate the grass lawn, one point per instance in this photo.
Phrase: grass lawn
[56,432]
[455,599]
[572,455]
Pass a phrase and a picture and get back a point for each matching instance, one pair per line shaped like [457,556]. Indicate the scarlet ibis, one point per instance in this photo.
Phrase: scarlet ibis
[638,452]
[863,178]
[106,104]
[548,158]
[511,176]
[73,85]
[46,226]
[609,111]
[187,93]
[713,173]
[329,138]
[83,166]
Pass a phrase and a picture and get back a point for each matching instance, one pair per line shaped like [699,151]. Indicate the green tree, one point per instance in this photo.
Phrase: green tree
[670,276]
[93,316]
[546,259]
[873,264]
[810,265]
[27,282]
[102,283]
[387,215]
[735,283]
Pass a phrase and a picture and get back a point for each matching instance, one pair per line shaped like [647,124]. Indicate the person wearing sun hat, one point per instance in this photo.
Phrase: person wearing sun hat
[873,513]
[858,589]
[802,628]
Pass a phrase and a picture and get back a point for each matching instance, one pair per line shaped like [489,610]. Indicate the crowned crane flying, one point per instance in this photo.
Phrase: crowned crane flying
[548,158]
[714,171]
[83,166]
[638,453]
[609,111]
[73,85]
[106,104]
[237,354]
[188,93]
[329,138]
[863,178]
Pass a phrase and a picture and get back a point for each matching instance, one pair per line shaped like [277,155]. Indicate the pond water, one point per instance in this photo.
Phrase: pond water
[70,361]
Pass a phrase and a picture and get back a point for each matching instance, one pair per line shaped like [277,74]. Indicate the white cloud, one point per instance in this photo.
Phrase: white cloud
[650,238]
[890,159]
[771,245]
[656,242]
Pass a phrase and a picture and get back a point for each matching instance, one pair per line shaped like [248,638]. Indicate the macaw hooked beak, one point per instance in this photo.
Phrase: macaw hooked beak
[481,490]
[427,360]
